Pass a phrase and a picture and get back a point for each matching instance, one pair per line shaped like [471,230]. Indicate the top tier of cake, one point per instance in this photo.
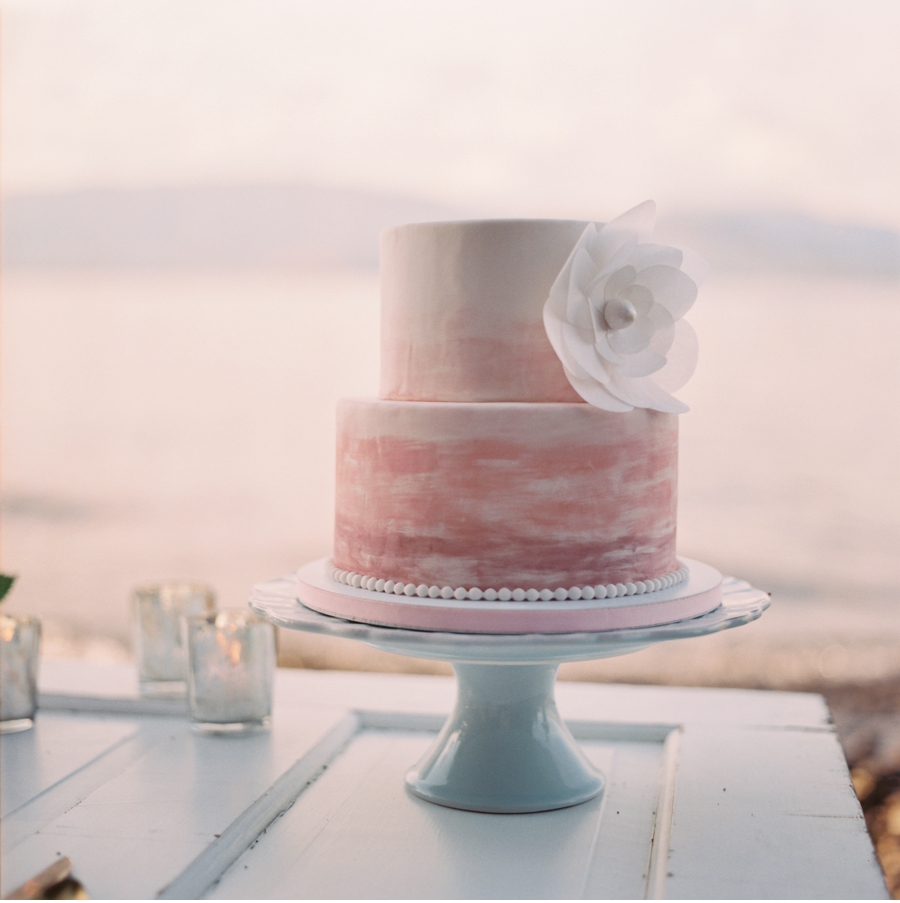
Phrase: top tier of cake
[461,310]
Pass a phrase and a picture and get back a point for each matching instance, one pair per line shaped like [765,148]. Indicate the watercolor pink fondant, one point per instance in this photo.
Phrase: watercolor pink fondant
[505,494]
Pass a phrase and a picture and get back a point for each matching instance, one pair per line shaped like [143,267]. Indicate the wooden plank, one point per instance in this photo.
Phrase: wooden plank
[767,814]
[207,868]
[46,803]
[59,745]
[577,701]
[622,863]
[357,833]
[170,804]
[110,867]
[690,705]
[417,693]
[108,705]
[662,826]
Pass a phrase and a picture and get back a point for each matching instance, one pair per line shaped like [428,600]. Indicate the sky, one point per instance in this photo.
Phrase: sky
[556,108]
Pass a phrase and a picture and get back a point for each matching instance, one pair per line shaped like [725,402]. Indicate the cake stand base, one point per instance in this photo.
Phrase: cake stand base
[505,748]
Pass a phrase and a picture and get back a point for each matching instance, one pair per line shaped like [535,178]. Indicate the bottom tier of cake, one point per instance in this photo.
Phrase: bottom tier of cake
[496,498]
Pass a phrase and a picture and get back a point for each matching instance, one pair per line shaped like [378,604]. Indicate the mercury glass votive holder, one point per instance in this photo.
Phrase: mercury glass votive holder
[159,609]
[231,666]
[20,641]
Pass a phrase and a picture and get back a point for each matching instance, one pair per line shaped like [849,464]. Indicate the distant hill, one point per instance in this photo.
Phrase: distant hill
[786,242]
[204,225]
[303,225]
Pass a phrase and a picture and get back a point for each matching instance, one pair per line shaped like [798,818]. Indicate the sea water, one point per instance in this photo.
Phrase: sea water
[180,424]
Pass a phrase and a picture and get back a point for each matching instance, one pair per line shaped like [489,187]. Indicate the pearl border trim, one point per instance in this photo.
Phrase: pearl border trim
[423,591]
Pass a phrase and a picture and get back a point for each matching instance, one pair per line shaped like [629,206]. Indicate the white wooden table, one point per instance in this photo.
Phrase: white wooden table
[710,794]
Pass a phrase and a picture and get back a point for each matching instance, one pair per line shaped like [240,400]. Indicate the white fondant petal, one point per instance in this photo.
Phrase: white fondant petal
[671,288]
[646,363]
[571,367]
[660,317]
[603,247]
[580,316]
[597,320]
[597,290]
[628,390]
[569,361]
[618,281]
[621,258]
[597,395]
[581,350]
[648,255]
[638,221]
[663,338]
[630,340]
[640,297]
[663,322]
[682,359]
[601,343]
[644,393]
[662,400]
[583,271]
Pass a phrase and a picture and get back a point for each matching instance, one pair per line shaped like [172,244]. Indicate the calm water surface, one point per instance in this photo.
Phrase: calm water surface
[182,424]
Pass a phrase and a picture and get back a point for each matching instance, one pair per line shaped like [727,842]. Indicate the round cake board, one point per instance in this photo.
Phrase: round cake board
[699,594]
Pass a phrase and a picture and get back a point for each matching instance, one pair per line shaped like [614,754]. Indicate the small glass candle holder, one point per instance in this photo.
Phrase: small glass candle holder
[231,664]
[162,668]
[20,641]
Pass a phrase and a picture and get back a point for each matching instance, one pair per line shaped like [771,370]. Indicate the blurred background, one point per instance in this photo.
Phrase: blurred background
[192,196]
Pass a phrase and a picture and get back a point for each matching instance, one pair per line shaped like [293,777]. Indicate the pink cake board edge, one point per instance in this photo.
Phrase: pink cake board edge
[700,594]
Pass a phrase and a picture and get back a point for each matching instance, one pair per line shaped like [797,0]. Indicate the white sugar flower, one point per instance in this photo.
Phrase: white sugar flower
[614,316]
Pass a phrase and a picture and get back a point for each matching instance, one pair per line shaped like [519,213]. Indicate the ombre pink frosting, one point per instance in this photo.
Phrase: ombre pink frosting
[504,494]
[462,310]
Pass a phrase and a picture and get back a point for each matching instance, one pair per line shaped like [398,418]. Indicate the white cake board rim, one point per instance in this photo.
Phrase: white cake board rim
[700,594]
[277,601]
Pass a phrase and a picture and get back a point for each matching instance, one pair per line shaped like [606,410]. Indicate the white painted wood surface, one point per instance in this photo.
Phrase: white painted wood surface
[711,794]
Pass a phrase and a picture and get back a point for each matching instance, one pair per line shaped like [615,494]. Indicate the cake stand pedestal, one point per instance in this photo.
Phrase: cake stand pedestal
[504,747]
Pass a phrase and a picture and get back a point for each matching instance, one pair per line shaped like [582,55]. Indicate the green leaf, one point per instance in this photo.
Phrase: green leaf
[6,582]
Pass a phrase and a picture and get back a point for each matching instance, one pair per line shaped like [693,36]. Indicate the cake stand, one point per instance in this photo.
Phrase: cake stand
[504,747]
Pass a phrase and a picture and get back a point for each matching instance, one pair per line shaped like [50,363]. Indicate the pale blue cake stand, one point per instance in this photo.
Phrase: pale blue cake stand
[504,747]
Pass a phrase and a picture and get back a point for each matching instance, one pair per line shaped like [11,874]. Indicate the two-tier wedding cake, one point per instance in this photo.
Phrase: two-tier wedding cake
[522,456]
